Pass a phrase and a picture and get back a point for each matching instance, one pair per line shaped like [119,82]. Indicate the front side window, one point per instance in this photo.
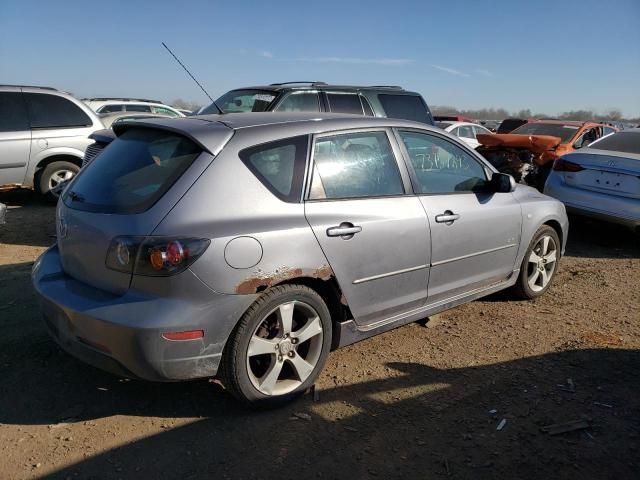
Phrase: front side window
[52,111]
[405,107]
[300,102]
[137,108]
[354,165]
[481,131]
[345,103]
[110,108]
[442,167]
[279,166]
[13,113]
[164,111]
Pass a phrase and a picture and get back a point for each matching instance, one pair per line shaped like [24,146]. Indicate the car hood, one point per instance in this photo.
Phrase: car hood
[533,143]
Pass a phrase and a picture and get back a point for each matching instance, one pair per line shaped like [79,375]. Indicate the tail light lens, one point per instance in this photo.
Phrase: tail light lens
[561,165]
[154,256]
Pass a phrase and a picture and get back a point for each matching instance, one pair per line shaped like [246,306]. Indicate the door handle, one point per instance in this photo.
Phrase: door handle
[345,230]
[448,217]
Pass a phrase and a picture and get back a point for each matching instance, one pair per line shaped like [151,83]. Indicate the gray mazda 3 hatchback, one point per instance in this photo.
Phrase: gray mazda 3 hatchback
[248,246]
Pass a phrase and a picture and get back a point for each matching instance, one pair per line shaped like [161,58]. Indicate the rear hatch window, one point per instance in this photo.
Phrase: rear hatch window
[133,173]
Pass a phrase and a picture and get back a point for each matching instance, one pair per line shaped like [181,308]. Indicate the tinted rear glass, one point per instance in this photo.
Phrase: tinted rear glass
[406,107]
[52,111]
[628,142]
[133,172]
[13,113]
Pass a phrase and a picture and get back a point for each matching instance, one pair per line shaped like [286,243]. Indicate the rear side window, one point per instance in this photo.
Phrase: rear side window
[279,166]
[133,172]
[406,107]
[354,165]
[13,113]
[52,111]
[164,111]
[300,102]
[345,103]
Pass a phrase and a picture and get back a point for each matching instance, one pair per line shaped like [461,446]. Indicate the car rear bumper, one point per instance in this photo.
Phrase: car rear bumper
[609,208]
[123,334]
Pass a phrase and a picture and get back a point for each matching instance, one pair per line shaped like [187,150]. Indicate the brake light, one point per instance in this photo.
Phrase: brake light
[561,165]
[154,256]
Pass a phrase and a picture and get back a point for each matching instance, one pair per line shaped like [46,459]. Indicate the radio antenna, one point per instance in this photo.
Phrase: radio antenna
[194,78]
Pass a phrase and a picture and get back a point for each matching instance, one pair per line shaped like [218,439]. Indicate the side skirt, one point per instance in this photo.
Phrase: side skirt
[349,332]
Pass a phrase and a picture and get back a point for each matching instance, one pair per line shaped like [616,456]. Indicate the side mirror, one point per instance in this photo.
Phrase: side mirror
[502,183]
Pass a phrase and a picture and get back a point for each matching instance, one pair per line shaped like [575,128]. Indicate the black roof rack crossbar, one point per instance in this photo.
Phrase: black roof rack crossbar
[30,86]
[394,87]
[102,99]
[293,83]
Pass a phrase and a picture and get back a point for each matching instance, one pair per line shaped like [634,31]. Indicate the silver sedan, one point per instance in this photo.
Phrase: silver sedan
[602,180]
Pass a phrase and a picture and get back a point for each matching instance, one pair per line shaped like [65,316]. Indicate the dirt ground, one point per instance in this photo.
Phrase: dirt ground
[417,402]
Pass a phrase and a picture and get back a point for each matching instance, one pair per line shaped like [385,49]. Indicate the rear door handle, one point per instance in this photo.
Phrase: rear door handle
[447,217]
[345,230]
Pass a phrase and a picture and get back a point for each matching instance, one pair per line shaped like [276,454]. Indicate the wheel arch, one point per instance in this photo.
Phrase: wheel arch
[558,229]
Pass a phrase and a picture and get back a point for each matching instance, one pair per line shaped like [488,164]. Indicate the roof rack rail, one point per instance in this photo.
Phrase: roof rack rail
[394,87]
[102,99]
[293,83]
[30,86]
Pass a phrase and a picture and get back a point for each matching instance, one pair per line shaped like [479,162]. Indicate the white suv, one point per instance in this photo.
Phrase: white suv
[43,136]
[110,105]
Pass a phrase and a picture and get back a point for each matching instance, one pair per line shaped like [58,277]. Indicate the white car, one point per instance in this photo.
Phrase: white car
[140,105]
[465,131]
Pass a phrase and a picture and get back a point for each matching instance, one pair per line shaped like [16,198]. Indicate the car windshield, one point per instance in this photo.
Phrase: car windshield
[241,101]
[564,132]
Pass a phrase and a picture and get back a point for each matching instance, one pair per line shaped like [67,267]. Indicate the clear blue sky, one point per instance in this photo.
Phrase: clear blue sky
[549,56]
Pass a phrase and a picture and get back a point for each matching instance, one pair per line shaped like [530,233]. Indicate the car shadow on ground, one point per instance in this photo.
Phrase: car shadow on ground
[30,220]
[420,421]
[596,239]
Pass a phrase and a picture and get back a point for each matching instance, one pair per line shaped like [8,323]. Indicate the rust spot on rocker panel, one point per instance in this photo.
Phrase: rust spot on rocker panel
[261,280]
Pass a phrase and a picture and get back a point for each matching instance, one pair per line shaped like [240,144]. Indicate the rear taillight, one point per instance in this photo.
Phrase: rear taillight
[561,165]
[154,256]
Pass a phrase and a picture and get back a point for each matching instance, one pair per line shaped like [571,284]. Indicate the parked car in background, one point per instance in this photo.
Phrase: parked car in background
[141,105]
[491,125]
[528,152]
[509,124]
[452,118]
[249,245]
[372,101]
[43,136]
[101,138]
[602,180]
[466,131]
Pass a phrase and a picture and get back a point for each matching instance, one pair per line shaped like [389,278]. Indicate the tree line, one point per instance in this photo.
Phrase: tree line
[612,115]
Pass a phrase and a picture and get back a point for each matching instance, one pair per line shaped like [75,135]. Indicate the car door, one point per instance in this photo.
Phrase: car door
[375,237]
[474,233]
[15,138]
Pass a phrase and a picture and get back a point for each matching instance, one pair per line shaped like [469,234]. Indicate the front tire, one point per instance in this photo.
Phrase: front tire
[539,264]
[278,348]
[51,179]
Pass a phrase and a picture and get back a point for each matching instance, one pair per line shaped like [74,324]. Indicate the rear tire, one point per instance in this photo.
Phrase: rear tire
[52,176]
[539,264]
[278,348]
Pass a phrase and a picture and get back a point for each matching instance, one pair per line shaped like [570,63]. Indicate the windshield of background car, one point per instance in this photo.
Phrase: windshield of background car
[132,173]
[564,132]
[627,142]
[241,101]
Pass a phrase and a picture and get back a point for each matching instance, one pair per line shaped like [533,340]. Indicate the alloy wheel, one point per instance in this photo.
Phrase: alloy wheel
[542,263]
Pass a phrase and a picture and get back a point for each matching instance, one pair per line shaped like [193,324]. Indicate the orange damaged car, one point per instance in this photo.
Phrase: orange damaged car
[528,152]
